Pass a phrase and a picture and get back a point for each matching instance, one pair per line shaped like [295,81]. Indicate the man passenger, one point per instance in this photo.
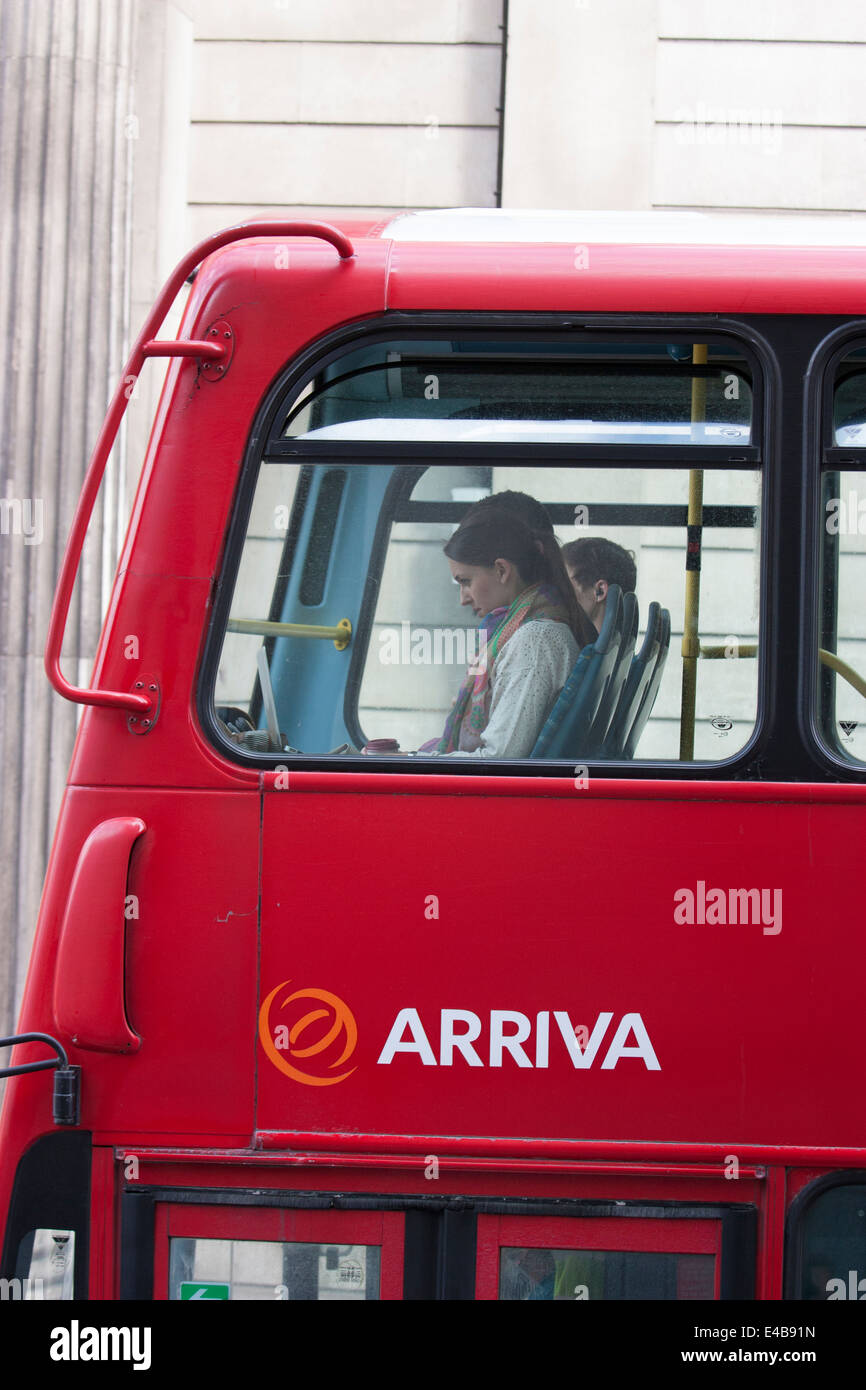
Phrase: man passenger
[593,564]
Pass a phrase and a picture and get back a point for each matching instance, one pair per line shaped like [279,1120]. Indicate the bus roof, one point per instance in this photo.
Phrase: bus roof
[498,260]
[628,228]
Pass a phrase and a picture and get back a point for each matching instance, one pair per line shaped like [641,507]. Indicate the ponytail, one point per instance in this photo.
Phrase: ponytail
[583,630]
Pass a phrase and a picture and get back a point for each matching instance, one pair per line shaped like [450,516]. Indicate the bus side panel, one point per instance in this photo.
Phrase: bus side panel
[526,966]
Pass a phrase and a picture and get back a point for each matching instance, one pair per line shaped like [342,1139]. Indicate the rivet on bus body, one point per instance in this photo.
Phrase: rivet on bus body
[151,686]
[139,685]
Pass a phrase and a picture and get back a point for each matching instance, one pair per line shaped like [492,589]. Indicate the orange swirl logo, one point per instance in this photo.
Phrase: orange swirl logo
[280,1042]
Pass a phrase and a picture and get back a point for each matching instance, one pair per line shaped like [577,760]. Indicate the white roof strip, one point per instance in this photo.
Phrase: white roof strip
[630,228]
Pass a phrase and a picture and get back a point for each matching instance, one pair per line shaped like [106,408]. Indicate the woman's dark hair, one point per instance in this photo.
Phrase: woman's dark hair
[495,533]
[527,509]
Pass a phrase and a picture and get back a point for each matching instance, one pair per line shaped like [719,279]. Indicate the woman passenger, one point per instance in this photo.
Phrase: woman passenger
[514,579]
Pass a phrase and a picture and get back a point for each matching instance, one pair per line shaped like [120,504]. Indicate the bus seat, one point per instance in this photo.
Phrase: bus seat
[568,727]
[642,708]
[613,694]
[640,674]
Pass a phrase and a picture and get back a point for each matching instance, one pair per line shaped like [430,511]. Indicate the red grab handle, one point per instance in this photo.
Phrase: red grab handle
[143,347]
[89,974]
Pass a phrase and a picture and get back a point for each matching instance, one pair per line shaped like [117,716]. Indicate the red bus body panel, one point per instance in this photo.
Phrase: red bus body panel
[498,276]
[536,928]
[482,895]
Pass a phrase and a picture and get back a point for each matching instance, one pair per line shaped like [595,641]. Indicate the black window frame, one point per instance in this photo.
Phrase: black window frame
[792,1278]
[825,458]
[440,1239]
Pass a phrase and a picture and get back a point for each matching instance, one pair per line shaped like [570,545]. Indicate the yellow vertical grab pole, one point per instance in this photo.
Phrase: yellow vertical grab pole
[691,636]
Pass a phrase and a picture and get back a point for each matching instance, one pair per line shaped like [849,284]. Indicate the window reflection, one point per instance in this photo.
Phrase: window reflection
[529,1274]
[267,1270]
[834,1245]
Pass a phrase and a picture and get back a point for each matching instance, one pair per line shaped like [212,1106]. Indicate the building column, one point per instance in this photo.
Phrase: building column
[70,138]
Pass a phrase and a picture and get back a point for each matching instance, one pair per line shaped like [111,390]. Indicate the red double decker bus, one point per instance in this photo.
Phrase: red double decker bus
[568,1009]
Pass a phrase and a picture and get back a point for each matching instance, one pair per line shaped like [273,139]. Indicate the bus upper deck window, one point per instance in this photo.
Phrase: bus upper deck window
[841,670]
[474,392]
[345,625]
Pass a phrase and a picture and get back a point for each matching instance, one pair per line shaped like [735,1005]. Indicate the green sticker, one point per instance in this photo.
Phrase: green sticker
[197,1290]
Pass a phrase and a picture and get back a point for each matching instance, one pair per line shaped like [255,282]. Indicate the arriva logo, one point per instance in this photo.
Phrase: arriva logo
[508,1030]
[503,1032]
[279,1040]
